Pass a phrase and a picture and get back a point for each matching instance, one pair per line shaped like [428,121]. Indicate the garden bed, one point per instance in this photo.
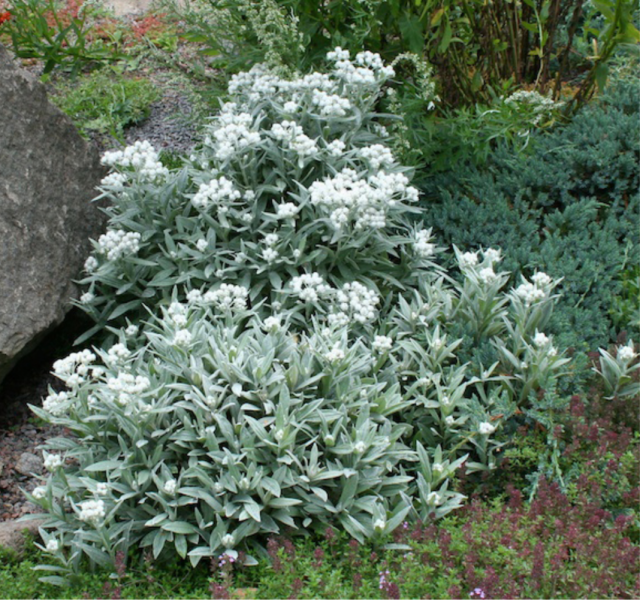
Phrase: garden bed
[275,408]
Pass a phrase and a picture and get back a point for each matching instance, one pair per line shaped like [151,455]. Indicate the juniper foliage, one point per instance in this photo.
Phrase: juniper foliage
[570,207]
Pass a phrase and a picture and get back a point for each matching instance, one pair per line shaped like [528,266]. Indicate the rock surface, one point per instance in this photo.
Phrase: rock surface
[28,463]
[48,175]
[12,533]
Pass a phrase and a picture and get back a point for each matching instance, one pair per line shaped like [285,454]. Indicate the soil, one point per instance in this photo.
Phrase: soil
[20,430]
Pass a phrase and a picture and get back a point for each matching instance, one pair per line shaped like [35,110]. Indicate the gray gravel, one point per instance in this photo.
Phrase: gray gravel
[168,126]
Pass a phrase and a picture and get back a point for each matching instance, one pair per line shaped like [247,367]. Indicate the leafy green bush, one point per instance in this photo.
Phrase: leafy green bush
[471,134]
[106,102]
[306,361]
[478,50]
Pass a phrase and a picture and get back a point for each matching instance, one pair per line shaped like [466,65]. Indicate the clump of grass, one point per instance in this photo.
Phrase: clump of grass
[106,102]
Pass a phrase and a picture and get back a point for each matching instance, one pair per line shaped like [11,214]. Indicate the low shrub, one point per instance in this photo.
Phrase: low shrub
[551,548]
[305,361]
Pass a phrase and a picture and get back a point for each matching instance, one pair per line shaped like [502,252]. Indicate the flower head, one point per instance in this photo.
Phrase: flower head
[486,428]
[92,511]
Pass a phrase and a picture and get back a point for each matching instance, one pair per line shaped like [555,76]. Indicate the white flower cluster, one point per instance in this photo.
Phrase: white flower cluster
[537,289]
[126,386]
[486,428]
[336,354]
[359,447]
[177,312]
[270,253]
[116,354]
[260,83]
[492,255]
[485,272]
[39,492]
[170,486]
[117,243]
[336,148]
[365,202]
[626,353]
[434,499]
[330,105]
[377,156]
[468,260]
[115,181]
[287,210]
[216,191]
[92,511]
[56,404]
[315,90]
[422,245]
[255,84]
[382,343]
[357,302]
[379,525]
[310,287]
[73,368]
[294,136]
[233,133]
[540,104]
[141,156]
[487,275]
[228,297]
[540,340]
[182,338]
[367,68]
[271,324]
[52,461]
[91,264]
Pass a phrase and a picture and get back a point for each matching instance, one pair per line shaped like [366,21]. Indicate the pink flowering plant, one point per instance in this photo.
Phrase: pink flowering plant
[304,360]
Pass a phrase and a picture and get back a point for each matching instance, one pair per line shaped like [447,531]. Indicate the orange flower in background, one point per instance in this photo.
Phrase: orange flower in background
[5,16]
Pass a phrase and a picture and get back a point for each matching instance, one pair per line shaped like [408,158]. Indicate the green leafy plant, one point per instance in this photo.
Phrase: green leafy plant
[479,50]
[617,33]
[471,134]
[58,37]
[106,102]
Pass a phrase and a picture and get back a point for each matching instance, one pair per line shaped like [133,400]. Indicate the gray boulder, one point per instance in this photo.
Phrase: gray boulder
[48,175]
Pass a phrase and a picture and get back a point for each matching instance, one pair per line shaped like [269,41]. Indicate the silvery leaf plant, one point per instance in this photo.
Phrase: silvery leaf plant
[299,362]
[618,372]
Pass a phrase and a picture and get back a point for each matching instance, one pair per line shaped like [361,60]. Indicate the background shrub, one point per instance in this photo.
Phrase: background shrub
[570,205]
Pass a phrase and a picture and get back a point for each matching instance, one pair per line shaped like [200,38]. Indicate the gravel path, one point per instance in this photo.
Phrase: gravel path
[168,126]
